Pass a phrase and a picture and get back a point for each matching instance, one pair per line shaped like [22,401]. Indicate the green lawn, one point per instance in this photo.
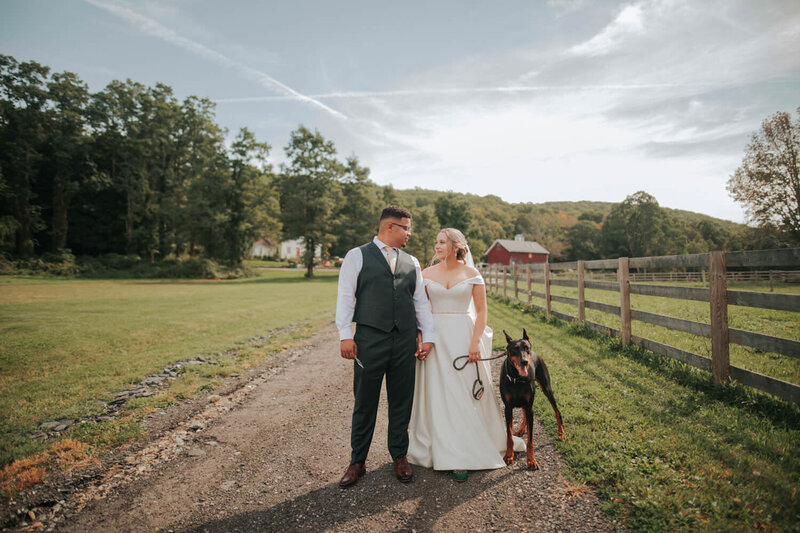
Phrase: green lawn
[64,344]
[784,324]
[664,448]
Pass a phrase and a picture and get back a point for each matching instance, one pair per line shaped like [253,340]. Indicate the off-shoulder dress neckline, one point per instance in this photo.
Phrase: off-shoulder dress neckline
[454,284]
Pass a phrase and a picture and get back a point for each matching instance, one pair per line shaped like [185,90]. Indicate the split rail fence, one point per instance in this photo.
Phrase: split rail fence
[717,295]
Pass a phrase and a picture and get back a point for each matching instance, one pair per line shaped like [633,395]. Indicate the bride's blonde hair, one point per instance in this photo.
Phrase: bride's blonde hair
[455,241]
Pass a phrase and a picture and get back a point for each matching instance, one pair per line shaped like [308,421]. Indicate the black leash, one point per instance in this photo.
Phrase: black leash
[455,364]
[477,386]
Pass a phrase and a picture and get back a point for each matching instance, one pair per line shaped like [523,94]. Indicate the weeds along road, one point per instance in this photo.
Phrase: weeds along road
[268,457]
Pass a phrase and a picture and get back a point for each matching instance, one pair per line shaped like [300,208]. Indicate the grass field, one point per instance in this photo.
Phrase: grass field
[784,324]
[65,344]
[664,448]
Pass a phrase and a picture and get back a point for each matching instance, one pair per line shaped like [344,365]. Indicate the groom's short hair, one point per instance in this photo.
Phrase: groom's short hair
[395,211]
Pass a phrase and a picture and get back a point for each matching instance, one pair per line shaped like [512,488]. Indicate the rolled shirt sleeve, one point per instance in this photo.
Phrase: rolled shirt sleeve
[346,299]
[423,307]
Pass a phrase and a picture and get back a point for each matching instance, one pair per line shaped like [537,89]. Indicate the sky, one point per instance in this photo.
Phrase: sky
[532,101]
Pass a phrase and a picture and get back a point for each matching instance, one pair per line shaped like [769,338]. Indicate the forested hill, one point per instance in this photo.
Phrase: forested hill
[133,170]
[636,226]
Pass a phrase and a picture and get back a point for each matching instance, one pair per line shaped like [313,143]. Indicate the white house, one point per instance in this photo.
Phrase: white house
[264,248]
[292,249]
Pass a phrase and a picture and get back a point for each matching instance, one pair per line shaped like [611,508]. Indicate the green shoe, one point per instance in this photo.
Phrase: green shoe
[460,475]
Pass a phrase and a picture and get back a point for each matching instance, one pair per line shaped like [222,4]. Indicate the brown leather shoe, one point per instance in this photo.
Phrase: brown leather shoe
[403,470]
[351,476]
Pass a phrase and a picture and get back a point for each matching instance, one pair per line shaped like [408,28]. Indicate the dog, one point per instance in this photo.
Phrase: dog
[521,368]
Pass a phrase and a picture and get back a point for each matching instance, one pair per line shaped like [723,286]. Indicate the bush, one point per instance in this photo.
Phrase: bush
[132,266]
[119,266]
[56,264]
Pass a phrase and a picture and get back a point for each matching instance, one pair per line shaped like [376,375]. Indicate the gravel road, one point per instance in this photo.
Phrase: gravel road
[265,453]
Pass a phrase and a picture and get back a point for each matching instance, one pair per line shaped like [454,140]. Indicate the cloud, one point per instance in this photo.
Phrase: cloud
[154,28]
[630,21]
[510,90]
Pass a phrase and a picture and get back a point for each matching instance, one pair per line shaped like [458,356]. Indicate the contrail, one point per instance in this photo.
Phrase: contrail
[156,29]
[463,90]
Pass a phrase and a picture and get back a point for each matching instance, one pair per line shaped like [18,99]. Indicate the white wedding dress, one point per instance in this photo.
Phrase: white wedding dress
[449,428]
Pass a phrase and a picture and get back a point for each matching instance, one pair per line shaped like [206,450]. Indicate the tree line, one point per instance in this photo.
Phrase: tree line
[129,169]
[133,170]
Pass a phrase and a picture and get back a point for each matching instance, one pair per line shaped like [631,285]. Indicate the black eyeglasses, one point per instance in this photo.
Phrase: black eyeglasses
[407,228]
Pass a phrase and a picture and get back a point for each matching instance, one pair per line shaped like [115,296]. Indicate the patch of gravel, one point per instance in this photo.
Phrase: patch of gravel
[265,453]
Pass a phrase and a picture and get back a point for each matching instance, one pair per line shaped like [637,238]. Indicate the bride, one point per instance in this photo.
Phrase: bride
[450,429]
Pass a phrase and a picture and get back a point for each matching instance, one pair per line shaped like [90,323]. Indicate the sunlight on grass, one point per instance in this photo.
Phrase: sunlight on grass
[65,345]
[665,449]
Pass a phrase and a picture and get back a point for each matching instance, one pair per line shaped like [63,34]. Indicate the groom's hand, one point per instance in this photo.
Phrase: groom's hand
[424,350]
[348,348]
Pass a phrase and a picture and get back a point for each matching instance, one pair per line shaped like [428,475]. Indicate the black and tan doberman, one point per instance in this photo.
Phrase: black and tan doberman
[520,370]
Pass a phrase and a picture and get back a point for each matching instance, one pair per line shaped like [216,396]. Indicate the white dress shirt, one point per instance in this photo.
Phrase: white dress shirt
[346,301]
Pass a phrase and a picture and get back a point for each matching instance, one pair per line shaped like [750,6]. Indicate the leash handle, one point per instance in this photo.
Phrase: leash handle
[466,362]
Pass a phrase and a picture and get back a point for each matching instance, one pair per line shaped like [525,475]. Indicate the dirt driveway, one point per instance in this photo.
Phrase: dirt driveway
[265,453]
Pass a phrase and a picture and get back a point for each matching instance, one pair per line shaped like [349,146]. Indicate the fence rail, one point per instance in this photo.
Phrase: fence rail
[714,272]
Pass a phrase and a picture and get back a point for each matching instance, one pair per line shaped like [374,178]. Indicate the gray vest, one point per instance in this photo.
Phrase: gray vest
[385,300]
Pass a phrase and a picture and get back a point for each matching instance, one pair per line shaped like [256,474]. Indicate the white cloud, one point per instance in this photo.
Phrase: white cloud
[630,21]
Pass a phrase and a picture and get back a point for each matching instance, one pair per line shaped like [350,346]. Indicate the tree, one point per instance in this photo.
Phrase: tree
[768,182]
[592,216]
[239,201]
[545,228]
[356,217]
[309,191]
[200,156]
[23,97]
[119,156]
[70,166]
[454,212]
[583,241]
[639,227]
[8,224]
[425,227]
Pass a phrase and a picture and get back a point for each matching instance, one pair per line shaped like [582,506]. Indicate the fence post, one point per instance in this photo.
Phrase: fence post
[514,275]
[505,281]
[547,288]
[581,299]
[530,296]
[624,300]
[771,277]
[720,356]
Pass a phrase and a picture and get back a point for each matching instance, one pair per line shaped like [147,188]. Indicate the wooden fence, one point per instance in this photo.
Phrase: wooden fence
[771,276]
[717,295]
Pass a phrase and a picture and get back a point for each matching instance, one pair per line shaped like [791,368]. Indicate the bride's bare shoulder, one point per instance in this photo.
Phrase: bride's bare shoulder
[426,272]
[472,271]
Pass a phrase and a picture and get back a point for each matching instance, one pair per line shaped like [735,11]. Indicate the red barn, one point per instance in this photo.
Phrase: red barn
[504,252]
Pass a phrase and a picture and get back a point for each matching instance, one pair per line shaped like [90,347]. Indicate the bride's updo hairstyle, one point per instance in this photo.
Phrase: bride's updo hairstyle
[457,241]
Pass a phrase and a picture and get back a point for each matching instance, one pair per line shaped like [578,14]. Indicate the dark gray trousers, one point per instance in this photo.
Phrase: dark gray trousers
[390,354]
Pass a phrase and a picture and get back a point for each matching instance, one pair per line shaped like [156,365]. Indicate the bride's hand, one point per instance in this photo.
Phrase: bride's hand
[474,352]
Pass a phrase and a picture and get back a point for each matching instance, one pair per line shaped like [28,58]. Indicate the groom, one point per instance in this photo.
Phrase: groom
[381,290]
